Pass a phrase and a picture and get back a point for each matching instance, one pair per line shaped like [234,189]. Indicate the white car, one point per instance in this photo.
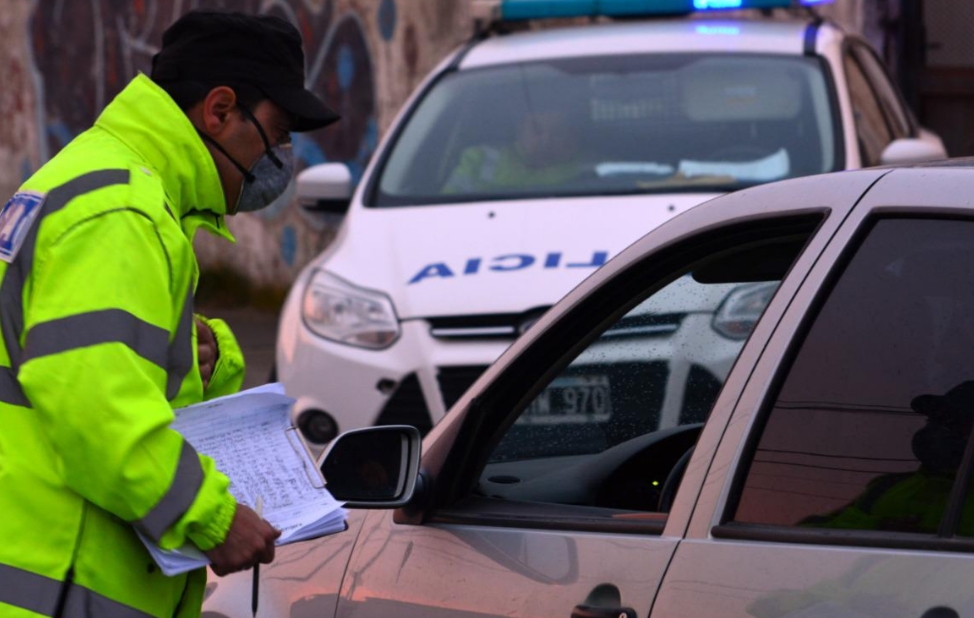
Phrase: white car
[526,161]
[828,476]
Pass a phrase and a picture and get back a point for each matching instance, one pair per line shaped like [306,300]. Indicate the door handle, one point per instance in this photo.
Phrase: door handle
[590,611]
[940,612]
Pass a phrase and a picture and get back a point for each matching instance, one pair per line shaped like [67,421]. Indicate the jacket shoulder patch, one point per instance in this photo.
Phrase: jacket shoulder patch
[16,219]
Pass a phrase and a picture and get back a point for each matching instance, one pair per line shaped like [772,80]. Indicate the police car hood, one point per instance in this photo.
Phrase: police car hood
[491,257]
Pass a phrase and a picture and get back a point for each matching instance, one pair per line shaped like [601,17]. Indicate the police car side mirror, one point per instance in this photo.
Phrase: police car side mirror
[912,150]
[373,468]
[327,187]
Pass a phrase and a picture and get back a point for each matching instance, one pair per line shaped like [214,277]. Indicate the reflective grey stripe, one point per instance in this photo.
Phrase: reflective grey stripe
[11,290]
[29,591]
[10,391]
[87,329]
[85,603]
[185,485]
[181,349]
[40,594]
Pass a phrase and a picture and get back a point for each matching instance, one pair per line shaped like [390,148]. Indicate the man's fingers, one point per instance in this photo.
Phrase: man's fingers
[267,555]
[250,541]
[206,350]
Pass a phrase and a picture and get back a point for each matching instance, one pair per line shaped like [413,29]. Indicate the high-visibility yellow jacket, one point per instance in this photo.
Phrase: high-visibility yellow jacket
[98,347]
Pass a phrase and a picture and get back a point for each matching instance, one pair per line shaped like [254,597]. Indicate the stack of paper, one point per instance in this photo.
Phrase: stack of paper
[251,438]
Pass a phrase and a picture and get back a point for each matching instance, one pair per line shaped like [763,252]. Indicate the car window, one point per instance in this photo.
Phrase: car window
[608,125]
[615,426]
[871,422]
[659,367]
[885,91]
[872,128]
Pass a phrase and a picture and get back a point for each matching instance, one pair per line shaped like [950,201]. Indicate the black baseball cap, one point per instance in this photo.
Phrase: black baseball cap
[262,51]
[956,405]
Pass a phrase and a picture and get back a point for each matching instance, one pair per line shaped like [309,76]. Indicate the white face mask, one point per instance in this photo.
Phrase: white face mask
[268,178]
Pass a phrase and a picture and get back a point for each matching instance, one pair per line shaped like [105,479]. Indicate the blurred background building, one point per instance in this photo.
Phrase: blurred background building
[63,60]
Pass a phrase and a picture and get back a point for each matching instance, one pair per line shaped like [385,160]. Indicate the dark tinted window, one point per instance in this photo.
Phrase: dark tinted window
[871,422]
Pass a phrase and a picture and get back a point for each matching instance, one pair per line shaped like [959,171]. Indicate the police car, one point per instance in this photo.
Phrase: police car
[527,160]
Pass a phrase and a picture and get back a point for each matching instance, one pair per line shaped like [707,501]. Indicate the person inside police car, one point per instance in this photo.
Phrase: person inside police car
[100,342]
[544,153]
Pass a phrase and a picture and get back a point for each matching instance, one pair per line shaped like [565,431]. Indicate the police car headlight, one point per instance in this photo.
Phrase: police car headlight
[339,311]
[742,308]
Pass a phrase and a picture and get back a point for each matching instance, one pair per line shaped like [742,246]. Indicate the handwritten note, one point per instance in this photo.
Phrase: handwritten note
[250,437]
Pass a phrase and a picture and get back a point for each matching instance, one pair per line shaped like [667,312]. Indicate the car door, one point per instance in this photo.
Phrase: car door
[842,486]
[553,483]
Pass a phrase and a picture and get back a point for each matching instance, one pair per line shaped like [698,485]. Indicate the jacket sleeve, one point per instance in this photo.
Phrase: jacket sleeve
[230,368]
[98,315]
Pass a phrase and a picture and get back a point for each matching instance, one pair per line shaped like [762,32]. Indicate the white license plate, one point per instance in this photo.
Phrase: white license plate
[571,399]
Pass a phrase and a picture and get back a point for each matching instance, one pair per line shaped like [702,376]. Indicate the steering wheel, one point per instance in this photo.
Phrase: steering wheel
[672,482]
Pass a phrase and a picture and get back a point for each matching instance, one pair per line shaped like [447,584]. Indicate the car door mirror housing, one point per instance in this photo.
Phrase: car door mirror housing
[326,188]
[912,150]
[373,468]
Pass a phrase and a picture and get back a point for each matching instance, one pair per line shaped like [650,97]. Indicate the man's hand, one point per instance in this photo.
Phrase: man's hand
[249,541]
[206,350]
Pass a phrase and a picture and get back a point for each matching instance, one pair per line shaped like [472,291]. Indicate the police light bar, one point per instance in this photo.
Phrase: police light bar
[515,10]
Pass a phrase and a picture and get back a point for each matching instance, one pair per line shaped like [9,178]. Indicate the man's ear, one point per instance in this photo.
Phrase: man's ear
[216,110]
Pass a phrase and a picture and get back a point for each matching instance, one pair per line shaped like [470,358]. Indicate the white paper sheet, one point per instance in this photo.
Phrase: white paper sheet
[251,438]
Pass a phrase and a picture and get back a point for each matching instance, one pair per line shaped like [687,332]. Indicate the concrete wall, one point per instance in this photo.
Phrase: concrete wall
[63,60]
[20,124]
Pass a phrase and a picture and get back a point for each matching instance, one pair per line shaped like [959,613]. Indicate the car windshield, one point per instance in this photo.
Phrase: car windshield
[613,125]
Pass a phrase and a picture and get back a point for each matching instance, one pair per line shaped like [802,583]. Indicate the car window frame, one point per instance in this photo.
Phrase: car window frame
[726,528]
[484,427]
[847,58]
[861,50]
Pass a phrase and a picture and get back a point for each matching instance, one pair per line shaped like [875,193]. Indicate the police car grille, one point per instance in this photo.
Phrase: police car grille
[702,388]
[407,407]
[454,381]
[484,326]
[652,325]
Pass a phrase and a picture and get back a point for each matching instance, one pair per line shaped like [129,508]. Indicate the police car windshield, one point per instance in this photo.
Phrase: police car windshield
[613,125]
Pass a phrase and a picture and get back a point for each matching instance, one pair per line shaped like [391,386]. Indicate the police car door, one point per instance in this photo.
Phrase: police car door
[551,485]
[841,488]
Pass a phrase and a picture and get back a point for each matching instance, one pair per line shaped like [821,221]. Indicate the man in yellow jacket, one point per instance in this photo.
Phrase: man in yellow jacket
[99,341]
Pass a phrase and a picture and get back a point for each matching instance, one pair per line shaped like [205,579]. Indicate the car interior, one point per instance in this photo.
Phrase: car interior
[621,462]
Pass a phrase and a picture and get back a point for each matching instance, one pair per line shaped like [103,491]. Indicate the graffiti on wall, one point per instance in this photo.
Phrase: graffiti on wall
[86,51]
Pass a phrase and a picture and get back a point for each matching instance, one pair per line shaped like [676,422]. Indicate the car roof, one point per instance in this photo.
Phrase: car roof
[940,186]
[643,37]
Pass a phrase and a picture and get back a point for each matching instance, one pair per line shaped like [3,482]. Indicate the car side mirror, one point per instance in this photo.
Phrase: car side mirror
[912,150]
[374,467]
[327,187]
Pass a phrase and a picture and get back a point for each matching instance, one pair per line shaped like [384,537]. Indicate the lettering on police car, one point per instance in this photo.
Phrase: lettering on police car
[509,262]
[16,217]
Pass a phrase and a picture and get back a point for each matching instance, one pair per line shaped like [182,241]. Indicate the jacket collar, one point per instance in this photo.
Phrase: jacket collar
[149,122]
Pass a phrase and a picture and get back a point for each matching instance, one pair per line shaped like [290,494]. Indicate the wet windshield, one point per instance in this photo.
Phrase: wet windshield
[613,125]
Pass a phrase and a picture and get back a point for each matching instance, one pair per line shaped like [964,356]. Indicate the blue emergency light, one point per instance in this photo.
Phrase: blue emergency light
[514,10]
